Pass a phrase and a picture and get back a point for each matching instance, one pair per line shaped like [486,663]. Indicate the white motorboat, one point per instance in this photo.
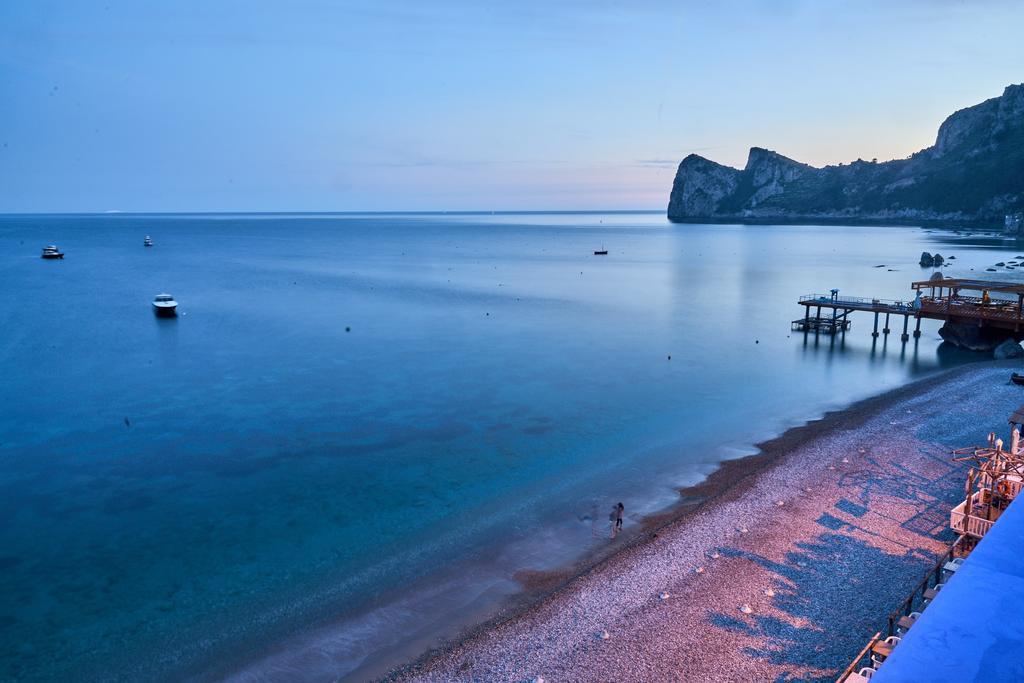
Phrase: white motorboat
[148,242]
[51,251]
[165,306]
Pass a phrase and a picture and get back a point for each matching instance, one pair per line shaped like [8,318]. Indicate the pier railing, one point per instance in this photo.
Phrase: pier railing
[860,301]
[972,307]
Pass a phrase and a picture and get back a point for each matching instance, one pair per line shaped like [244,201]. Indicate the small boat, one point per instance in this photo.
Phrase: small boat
[601,252]
[165,306]
[51,251]
[1017,379]
[148,242]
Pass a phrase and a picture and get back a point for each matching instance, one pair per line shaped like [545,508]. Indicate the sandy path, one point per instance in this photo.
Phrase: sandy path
[822,542]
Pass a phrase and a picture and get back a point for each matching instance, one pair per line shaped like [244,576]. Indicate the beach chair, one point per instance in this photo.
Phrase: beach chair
[953,564]
[907,621]
[931,593]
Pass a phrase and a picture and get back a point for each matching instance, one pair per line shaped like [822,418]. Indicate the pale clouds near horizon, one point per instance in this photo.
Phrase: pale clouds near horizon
[460,105]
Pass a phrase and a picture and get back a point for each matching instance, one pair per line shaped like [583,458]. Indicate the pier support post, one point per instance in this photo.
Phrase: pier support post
[885,330]
[917,329]
[875,332]
[906,323]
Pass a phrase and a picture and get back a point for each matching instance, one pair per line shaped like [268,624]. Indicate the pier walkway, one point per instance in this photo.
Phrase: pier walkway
[979,302]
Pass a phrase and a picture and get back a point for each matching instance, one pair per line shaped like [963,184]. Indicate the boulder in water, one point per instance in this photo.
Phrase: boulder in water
[1008,349]
[973,338]
[937,260]
[927,260]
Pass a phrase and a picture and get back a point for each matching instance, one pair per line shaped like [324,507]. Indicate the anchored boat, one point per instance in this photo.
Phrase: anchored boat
[50,251]
[165,306]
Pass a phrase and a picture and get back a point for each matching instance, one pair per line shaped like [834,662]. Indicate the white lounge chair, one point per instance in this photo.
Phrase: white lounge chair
[953,564]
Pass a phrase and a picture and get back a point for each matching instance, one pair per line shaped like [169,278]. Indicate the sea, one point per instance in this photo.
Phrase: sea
[361,431]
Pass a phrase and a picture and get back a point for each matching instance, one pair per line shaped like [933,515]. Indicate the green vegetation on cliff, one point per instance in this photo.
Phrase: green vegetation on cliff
[974,172]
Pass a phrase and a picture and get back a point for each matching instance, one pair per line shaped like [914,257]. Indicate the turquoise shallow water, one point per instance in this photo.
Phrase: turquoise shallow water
[293,498]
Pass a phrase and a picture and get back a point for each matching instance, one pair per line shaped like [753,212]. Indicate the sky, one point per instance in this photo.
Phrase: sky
[408,105]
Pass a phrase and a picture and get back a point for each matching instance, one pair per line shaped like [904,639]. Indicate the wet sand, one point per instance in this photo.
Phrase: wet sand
[819,536]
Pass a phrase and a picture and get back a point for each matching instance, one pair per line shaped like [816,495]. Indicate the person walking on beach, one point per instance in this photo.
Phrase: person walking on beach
[619,509]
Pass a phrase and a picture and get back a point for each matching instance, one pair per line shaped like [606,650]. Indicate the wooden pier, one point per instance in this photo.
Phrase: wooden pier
[985,303]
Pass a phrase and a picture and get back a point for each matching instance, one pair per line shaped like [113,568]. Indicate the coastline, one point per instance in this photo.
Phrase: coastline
[981,225]
[477,652]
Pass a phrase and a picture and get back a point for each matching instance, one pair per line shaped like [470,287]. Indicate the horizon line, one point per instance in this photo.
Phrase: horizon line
[436,212]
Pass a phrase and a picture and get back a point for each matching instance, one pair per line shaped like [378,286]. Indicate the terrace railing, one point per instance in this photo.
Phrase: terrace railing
[969,525]
[977,524]
[930,579]
[861,659]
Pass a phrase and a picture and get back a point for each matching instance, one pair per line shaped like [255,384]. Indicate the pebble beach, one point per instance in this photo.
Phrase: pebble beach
[788,563]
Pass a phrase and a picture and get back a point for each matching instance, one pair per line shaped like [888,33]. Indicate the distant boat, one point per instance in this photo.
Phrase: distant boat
[165,306]
[1017,379]
[601,252]
[51,251]
[148,242]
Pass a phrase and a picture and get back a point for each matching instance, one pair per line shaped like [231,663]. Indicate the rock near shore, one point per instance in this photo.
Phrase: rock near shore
[1008,349]
[983,339]
[972,173]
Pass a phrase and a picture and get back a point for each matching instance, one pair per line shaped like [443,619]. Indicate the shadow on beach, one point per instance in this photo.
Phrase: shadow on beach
[830,606]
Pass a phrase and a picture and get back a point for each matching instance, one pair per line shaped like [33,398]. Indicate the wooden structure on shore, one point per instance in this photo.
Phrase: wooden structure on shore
[995,479]
[959,300]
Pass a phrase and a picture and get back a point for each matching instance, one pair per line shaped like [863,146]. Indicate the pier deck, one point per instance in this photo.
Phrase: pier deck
[981,302]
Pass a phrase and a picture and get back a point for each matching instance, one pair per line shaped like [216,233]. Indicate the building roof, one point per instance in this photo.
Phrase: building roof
[973,631]
[966,283]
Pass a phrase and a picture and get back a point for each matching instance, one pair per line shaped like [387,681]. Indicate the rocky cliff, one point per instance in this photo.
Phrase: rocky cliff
[974,172]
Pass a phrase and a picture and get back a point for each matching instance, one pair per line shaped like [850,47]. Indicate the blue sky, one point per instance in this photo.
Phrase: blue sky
[475,105]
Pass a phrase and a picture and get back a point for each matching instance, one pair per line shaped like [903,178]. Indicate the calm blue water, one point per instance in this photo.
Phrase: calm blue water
[360,427]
